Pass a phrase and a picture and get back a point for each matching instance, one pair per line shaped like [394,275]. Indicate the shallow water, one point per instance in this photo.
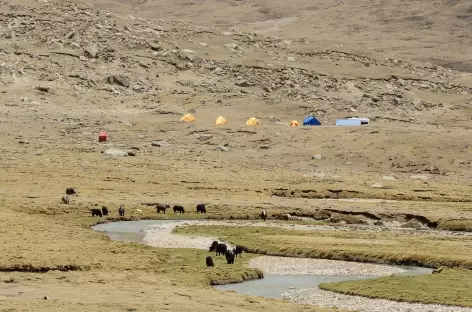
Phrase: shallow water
[129,231]
[271,286]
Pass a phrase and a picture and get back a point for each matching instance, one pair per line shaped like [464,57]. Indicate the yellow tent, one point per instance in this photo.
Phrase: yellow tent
[187,118]
[294,123]
[252,121]
[220,120]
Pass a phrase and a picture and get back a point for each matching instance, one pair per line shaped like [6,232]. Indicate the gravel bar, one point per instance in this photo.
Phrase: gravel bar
[304,266]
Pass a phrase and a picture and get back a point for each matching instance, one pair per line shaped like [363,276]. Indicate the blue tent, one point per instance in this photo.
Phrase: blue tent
[311,121]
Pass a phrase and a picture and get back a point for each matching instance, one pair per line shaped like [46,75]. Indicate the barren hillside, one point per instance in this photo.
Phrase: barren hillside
[423,30]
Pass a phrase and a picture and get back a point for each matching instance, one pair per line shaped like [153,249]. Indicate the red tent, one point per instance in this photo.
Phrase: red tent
[102,136]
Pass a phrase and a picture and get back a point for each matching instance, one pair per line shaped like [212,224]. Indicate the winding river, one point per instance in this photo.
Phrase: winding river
[291,282]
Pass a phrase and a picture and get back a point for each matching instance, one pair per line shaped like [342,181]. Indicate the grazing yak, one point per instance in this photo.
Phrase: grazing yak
[65,199]
[221,249]
[201,208]
[96,212]
[70,191]
[105,210]
[264,215]
[121,210]
[229,255]
[209,262]
[239,250]
[178,208]
[162,207]
[213,246]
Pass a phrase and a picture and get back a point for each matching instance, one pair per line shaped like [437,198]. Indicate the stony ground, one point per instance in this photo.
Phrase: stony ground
[324,298]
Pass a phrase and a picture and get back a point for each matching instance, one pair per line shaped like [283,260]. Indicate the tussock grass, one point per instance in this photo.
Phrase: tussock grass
[451,287]
[456,225]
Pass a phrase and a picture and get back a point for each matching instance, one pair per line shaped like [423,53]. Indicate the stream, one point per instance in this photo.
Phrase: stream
[271,286]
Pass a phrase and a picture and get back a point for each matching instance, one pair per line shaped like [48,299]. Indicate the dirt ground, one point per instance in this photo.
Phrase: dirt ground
[68,70]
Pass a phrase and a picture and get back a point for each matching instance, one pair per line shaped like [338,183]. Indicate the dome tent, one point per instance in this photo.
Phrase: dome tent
[252,121]
[187,118]
[220,120]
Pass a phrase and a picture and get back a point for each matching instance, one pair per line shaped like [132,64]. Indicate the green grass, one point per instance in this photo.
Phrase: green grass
[450,287]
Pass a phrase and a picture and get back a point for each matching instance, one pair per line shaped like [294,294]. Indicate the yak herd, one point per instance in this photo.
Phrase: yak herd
[159,208]
[222,250]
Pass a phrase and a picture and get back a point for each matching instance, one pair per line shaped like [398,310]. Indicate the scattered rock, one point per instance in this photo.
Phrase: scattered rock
[91,52]
[377,185]
[155,46]
[70,35]
[120,80]
[46,298]
[291,59]
[43,89]
[223,148]
[243,84]
[389,178]
[264,146]
[316,156]
[115,153]
[24,142]
[159,143]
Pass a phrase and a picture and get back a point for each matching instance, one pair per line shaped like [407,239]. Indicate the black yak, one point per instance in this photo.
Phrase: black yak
[213,245]
[209,261]
[121,210]
[65,199]
[201,208]
[105,211]
[229,255]
[239,250]
[96,212]
[178,208]
[264,215]
[162,207]
[221,249]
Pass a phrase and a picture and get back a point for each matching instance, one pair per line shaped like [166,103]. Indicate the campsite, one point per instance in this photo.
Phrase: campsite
[235,156]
